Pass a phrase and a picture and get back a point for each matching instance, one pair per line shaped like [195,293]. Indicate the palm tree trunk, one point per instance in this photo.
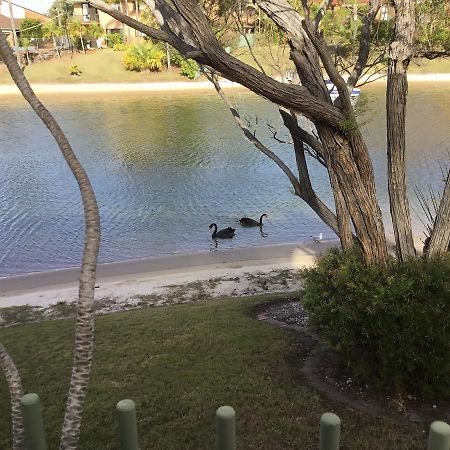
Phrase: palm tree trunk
[15,390]
[84,335]
[56,46]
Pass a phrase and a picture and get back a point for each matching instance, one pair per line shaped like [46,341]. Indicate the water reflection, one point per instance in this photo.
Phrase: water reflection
[165,167]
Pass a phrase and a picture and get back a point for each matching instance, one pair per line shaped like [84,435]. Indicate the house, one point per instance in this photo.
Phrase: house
[87,14]
[19,13]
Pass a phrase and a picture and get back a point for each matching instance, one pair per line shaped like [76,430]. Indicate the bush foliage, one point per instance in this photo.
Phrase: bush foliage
[391,327]
[189,68]
[144,57]
[120,47]
[114,38]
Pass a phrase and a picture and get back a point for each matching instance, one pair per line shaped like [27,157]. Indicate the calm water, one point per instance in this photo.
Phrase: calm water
[165,167]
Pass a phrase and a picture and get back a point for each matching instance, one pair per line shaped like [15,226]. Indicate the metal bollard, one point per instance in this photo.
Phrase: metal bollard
[33,423]
[128,436]
[439,438]
[226,428]
[330,432]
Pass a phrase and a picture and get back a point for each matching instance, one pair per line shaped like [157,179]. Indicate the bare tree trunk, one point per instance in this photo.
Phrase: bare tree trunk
[343,216]
[84,335]
[15,390]
[401,51]
[440,235]
[343,231]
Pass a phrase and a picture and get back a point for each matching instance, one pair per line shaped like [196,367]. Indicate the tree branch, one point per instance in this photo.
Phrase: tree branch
[253,139]
[169,37]
[364,44]
[321,13]
[211,54]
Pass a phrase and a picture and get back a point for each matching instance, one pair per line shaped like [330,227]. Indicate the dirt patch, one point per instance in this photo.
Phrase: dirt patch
[326,372]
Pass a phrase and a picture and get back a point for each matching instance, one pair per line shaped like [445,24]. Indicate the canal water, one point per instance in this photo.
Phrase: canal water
[164,167]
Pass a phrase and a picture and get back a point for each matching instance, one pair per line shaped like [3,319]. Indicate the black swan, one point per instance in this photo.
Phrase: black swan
[226,233]
[247,222]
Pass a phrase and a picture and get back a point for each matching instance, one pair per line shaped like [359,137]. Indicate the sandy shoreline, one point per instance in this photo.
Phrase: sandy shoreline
[97,88]
[126,280]
[155,87]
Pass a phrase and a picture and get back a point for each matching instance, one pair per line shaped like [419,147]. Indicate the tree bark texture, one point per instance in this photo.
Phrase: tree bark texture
[440,235]
[348,154]
[15,391]
[400,53]
[84,334]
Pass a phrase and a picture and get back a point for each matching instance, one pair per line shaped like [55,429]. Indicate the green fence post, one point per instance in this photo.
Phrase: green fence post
[226,428]
[128,436]
[439,436]
[33,423]
[330,432]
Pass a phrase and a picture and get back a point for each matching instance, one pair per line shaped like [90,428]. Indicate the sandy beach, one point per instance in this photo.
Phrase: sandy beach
[234,272]
[163,87]
[98,88]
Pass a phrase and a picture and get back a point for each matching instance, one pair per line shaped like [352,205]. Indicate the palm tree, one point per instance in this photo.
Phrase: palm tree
[15,390]
[51,30]
[95,30]
[84,334]
[77,30]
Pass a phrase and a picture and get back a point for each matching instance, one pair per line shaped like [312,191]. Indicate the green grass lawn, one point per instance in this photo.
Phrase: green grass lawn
[441,65]
[98,66]
[179,364]
[105,66]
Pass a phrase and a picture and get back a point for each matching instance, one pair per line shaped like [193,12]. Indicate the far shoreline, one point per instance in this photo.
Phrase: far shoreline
[168,86]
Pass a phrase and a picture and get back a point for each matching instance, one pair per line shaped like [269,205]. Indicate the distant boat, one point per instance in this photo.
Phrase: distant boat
[292,77]
[334,92]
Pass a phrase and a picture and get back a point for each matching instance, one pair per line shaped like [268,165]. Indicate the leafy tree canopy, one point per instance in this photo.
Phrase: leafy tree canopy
[31,28]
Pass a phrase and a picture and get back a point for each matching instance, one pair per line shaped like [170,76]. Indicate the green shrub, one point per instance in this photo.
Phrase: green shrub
[75,71]
[391,327]
[144,57]
[175,58]
[189,68]
[120,47]
[114,38]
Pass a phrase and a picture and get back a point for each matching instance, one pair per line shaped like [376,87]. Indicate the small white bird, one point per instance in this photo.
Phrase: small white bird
[318,238]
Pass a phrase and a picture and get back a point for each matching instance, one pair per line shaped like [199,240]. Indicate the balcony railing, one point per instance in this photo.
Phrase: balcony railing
[86,18]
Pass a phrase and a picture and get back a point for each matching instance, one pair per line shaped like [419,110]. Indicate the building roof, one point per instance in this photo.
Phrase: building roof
[43,16]
[5,23]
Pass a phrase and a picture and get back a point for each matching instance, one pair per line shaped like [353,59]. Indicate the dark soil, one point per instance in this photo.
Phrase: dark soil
[326,372]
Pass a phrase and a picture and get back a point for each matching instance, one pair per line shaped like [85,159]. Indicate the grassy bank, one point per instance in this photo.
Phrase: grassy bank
[179,364]
[105,66]
[98,66]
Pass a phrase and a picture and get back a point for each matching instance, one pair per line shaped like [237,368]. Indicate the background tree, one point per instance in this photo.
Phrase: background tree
[77,31]
[62,10]
[31,29]
[51,30]
[84,334]
[95,30]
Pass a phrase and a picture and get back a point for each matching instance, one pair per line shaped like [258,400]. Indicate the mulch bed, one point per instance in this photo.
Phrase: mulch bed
[325,371]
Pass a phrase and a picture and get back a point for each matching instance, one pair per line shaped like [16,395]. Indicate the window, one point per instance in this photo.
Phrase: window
[117,6]
[85,12]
